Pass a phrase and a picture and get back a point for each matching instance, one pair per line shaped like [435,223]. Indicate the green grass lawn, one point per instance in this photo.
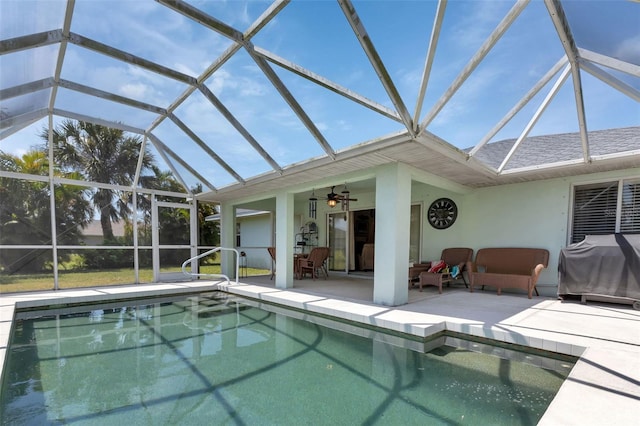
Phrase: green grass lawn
[80,279]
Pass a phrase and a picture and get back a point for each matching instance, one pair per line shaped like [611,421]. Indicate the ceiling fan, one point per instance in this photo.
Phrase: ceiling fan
[343,198]
[332,200]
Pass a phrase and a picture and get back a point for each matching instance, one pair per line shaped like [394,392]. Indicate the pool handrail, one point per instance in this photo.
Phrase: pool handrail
[207,253]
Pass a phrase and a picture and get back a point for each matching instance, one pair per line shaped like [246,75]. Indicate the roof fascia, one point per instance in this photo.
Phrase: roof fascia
[431,141]
[438,181]
[563,165]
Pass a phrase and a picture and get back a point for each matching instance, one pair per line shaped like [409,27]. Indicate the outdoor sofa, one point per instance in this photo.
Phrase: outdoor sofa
[504,267]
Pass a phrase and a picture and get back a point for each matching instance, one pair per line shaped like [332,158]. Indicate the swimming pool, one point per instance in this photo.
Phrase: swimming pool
[218,359]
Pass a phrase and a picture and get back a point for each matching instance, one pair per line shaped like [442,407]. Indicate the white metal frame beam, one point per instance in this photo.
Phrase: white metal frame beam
[163,150]
[187,130]
[26,88]
[609,62]
[239,127]
[95,120]
[291,101]
[376,62]
[431,53]
[111,97]
[17,127]
[611,80]
[16,44]
[523,101]
[474,62]
[556,12]
[20,119]
[327,84]
[129,58]
[536,116]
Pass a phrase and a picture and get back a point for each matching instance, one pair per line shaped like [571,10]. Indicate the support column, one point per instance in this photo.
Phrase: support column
[284,240]
[393,214]
[227,239]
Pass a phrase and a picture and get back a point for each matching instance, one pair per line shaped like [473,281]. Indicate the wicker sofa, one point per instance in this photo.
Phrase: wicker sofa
[505,267]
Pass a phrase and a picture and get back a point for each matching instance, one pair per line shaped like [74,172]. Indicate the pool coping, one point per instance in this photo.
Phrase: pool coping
[603,387]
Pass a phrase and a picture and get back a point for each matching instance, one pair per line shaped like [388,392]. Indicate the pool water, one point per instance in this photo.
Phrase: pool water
[217,359]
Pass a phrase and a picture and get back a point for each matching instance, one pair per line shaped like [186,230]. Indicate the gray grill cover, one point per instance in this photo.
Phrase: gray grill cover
[606,265]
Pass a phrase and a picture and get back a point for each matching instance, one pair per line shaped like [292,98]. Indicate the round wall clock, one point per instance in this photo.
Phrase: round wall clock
[442,213]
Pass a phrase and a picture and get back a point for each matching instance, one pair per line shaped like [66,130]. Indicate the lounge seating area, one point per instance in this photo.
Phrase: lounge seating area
[508,268]
[500,268]
[455,260]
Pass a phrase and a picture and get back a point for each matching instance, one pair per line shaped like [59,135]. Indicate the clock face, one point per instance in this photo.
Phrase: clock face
[442,213]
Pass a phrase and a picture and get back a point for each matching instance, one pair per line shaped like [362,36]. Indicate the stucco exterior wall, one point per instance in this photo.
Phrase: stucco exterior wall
[255,237]
[531,214]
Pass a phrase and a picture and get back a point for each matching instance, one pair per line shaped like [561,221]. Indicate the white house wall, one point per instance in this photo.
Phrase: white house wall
[255,237]
[532,214]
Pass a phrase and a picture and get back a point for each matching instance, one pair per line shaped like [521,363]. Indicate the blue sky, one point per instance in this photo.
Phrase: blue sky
[316,36]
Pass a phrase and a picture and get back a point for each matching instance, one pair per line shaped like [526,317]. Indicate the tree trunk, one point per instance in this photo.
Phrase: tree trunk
[105,222]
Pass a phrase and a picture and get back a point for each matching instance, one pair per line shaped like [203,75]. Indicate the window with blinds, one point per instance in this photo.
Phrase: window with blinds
[630,216]
[596,210]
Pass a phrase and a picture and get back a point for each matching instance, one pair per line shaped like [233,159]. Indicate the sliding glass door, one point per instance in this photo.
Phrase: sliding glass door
[337,227]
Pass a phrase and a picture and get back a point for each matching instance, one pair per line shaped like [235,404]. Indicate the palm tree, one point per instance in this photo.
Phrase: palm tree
[25,212]
[104,155]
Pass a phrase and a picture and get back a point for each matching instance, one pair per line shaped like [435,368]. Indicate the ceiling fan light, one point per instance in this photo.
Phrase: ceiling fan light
[332,202]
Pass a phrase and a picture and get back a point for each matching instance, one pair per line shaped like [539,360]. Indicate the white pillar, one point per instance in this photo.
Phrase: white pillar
[227,239]
[393,214]
[284,240]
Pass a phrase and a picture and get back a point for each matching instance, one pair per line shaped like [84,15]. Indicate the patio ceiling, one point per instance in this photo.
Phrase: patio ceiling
[246,98]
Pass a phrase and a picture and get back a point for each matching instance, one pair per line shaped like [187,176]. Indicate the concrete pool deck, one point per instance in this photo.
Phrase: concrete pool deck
[603,387]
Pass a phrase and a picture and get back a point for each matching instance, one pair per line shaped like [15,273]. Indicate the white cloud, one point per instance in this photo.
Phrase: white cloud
[629,50]
[344,125]
[134,90]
